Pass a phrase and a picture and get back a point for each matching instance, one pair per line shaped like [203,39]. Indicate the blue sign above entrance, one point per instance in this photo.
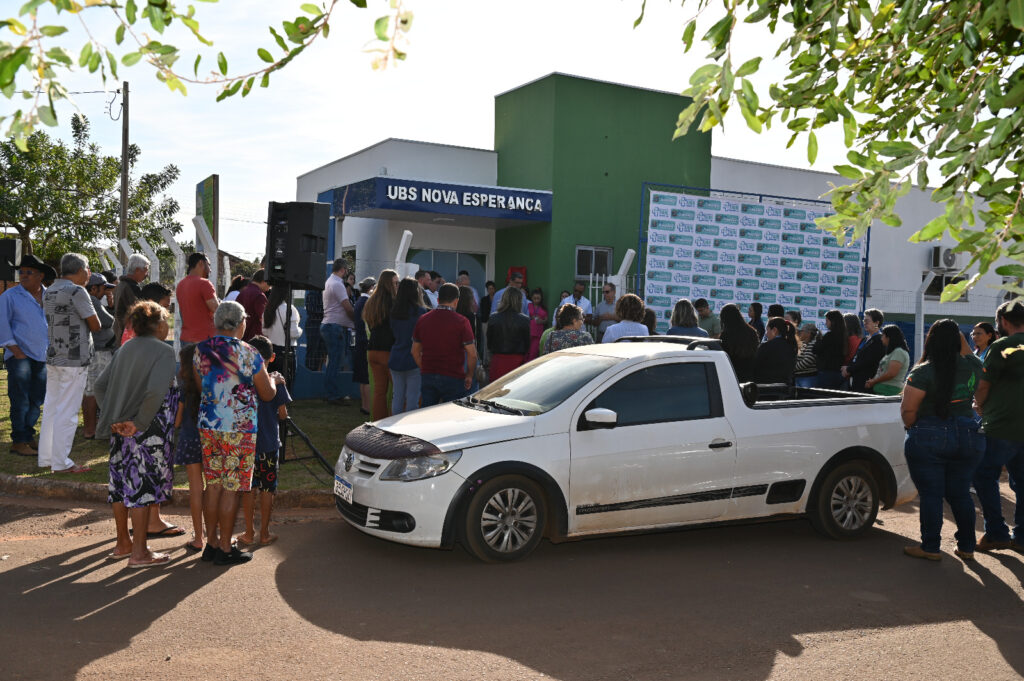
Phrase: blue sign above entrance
[383,196]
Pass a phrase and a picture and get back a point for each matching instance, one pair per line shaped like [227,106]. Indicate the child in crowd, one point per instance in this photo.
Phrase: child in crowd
[188,450]
[268,443]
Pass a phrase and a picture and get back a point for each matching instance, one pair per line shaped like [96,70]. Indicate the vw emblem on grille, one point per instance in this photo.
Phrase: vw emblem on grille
[350,459]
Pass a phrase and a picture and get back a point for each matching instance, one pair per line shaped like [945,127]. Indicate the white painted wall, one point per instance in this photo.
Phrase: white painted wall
[376,240]
[896,265]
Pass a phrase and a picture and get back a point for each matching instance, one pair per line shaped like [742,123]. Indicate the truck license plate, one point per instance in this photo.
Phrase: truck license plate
[343,489]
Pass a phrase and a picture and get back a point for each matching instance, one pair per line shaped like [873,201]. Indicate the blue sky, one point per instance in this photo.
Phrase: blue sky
[329,102]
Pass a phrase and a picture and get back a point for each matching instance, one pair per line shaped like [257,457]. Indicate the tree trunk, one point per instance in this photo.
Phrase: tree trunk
[26,242]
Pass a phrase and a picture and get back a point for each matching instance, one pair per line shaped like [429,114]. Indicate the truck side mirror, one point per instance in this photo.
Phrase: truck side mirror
[600,418]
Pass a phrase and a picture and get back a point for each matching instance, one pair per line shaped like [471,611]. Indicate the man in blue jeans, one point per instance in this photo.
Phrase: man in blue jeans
[444,348]
[999,397]
[24,337]
[336,330]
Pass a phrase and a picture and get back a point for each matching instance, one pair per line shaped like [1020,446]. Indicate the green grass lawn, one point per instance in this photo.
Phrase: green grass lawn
[325,424]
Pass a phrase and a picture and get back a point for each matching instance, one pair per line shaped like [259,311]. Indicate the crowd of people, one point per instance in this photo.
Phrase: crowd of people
[94,342]
[946,396]
[98,343]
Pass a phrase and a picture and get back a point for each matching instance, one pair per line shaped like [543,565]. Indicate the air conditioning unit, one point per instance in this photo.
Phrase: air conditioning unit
[944,259]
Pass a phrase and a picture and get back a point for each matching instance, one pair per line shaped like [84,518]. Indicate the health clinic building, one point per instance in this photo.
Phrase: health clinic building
[564,192]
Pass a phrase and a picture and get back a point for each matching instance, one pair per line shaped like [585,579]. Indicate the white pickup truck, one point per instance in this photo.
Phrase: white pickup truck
[621,437]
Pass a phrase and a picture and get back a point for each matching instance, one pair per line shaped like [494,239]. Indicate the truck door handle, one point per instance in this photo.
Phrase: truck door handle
[719,444]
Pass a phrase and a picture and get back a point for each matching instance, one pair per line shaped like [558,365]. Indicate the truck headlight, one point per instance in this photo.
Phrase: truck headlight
[420,467]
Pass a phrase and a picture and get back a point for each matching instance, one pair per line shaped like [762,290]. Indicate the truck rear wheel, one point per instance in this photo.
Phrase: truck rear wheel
[847,502]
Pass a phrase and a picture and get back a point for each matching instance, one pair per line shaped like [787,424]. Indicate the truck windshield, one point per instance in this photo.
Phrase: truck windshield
[544,383]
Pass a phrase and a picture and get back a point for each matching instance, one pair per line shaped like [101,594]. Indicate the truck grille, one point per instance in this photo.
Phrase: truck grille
[365,467]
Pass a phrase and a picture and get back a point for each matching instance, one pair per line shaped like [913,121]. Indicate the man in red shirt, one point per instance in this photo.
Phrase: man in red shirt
[443,347]
[197,300]
[254,299]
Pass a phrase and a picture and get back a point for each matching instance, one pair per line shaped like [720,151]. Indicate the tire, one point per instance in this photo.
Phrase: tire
[846,504]
[505,519]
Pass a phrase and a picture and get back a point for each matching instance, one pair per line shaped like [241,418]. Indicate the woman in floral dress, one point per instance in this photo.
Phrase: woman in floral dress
[138,403]
[232,378]
[569,332]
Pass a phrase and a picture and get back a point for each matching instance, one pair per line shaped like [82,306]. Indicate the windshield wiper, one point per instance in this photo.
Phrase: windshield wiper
[502,407]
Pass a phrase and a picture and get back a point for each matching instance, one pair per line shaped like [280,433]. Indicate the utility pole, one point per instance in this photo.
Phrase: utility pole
[122,230]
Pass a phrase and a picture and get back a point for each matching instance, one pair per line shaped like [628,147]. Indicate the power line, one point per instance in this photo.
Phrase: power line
[79,92]
[251,222]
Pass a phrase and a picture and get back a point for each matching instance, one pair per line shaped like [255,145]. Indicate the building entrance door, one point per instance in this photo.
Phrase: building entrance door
[449,263]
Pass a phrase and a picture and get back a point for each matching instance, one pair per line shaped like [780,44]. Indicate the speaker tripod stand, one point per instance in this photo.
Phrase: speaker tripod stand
[288,426]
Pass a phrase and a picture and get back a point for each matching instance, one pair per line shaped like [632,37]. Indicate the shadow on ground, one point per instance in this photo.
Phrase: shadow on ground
[711,604]
[66,610]
[717,603]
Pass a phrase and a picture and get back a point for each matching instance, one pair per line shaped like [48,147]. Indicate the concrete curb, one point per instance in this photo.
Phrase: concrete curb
[50,488]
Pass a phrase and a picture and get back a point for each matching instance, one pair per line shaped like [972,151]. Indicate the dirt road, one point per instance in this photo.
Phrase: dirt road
[771,601]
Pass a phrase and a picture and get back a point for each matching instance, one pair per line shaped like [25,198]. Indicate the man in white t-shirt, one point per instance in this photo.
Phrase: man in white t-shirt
[578,299]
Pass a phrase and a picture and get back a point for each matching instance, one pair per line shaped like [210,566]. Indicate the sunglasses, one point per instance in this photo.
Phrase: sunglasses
[29,273]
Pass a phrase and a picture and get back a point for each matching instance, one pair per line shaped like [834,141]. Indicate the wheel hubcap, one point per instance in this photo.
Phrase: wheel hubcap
[851,502]
[509,520]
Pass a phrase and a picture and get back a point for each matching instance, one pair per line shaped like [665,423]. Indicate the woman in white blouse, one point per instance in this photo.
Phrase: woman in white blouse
[275,317]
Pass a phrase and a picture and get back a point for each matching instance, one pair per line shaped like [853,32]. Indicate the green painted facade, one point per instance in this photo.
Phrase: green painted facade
[593,145]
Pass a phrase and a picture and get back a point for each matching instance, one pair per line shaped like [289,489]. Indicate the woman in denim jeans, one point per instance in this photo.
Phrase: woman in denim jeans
[943,445]
[405,375]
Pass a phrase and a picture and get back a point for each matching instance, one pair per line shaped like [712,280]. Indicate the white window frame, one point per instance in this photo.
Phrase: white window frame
[946,278]
[593,249]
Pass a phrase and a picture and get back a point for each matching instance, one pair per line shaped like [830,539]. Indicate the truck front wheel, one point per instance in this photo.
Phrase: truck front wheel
[847,502]
[505,519]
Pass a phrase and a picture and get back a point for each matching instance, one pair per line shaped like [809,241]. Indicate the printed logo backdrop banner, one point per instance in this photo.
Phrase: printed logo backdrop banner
[735,251]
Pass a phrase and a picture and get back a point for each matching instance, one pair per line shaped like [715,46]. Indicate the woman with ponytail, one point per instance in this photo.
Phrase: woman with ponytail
[831,351]
[943,445]
[776,356]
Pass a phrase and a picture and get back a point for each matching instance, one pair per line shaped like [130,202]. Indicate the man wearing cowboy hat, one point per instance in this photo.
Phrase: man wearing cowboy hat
[24,337]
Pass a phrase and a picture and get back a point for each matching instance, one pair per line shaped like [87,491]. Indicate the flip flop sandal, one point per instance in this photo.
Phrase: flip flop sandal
[118,556]
[75,469]
[157,559]
[192,549]
[172,531]
[268,542]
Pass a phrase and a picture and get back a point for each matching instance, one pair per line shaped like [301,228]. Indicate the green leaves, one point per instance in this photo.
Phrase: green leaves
[380,28]
[38,57]
[85,54]
[1016,11]
[971,36]
[47,116]
[643,9]
[752,65]
[953,291]
[688,32]
[812,148]
[11,63]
